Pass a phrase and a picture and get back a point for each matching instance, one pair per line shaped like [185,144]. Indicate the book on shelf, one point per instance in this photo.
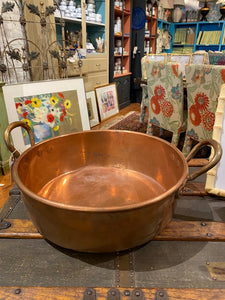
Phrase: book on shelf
[184,36]
[199,37]
[223,42]
[191,38]
[209,37]
[180,36]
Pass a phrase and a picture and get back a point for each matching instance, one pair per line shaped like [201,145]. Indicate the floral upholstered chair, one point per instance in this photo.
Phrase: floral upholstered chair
[144,100]
[165,98]
[203,89]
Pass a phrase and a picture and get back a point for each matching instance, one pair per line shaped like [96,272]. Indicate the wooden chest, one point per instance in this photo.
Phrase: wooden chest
[185,261]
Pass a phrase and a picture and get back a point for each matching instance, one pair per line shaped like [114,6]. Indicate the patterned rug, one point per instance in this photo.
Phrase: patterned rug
[130,122]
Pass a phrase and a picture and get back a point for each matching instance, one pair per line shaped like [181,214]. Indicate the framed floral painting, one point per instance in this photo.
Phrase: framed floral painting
[92,108]
[215,183]
[107,100]
[50,108]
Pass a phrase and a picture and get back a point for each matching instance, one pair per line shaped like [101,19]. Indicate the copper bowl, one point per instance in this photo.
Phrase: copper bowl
[101,191]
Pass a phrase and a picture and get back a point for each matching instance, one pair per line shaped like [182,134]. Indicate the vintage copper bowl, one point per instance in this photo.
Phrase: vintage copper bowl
[100,191]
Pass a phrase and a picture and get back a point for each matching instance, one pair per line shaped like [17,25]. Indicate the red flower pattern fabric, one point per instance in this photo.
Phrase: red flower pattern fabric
[159,92]
[208,120]
[167,108]
[175,69]
[195,116]
[201,101]
[203,88]
[155,105]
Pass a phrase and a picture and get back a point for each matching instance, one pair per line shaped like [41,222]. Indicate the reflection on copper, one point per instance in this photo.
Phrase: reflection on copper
[64,181]
[159,177]
[113,191]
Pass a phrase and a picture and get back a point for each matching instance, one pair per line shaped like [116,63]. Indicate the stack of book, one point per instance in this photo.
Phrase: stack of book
[180,36]
[184,36]
[209,37]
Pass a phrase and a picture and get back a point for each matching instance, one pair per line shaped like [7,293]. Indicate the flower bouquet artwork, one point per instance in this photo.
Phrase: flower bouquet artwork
[51,108]
[107,100]
[49,114]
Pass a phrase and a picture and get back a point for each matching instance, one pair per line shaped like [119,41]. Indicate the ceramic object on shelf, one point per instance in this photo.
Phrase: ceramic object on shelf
[222,11]
[63,5]
[67,13]
[139,18]
[204,12]
[71,7]
[98,18]
[177,14]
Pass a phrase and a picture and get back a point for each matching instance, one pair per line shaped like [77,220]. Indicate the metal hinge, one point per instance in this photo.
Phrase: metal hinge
[161,295]
[4,224]
[89,294]
[15,197]
[137,294]
[113,294]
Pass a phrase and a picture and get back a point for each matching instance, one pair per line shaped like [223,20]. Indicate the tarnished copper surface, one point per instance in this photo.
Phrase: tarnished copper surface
[100,191]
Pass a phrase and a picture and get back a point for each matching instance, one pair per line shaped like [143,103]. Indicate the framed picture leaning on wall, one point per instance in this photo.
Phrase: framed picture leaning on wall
[107,100]
[50,108]
[92,108]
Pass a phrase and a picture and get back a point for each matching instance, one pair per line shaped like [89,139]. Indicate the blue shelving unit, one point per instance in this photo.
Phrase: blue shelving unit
[165,26]
[197,27]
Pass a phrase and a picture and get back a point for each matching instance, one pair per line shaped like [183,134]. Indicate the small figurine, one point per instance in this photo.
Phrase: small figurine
[166,15]
[100,44]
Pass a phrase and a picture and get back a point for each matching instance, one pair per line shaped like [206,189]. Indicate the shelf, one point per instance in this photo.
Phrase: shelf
[208,45]
[120,36]
[183,45]
[122,75]
[88,35]
[118,11]
[120,42]
[79,21]
[148,37]
[203,31]
[163,22]
[148,18]
[118,55]
[150,29]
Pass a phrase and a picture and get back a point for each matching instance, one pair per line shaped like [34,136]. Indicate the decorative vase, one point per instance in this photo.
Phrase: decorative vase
[177,14]
[204,12]
[222,11]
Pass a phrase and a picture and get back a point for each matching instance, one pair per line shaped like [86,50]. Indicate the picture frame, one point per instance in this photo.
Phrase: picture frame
[92,109]
[215,183]
[50,108]
[107,100]
[157,57]
[183,59]
[198,58]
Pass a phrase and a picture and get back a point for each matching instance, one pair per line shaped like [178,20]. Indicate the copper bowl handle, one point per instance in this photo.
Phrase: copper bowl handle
[7,132]
[215,159]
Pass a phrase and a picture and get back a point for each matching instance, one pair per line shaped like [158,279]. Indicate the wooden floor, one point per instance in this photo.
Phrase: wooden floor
[5,181]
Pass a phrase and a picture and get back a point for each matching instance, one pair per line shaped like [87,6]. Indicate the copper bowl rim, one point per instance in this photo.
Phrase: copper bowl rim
[46,201]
